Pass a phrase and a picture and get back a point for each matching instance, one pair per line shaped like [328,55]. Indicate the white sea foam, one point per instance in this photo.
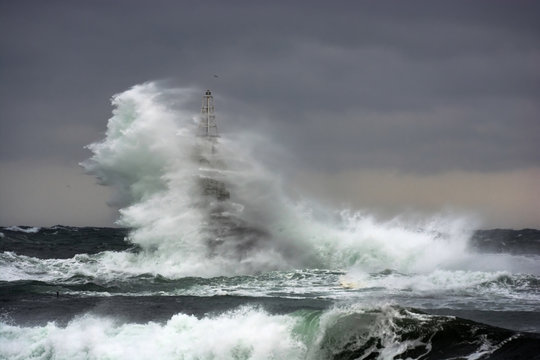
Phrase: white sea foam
[241,334]
[438,280]
[28,230]
[436,289]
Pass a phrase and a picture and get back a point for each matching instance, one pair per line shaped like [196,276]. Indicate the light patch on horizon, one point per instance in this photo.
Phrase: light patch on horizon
[45,194]
[498,199]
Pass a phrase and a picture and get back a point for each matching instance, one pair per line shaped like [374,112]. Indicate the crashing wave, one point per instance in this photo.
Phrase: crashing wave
[343,332]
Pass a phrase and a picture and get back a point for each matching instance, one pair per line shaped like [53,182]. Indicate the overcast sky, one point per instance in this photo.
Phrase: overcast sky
[389,106]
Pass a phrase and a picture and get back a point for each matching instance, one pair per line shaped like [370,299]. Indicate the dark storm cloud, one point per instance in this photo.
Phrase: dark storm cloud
[420,86]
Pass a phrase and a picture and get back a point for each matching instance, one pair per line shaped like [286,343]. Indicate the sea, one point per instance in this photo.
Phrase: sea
[211,258]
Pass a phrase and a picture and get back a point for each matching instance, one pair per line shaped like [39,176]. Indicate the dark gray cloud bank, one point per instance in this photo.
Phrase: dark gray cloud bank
[431,98]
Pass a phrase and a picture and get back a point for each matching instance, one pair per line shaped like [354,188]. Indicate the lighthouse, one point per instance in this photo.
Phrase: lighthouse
[207,124]
[211,180]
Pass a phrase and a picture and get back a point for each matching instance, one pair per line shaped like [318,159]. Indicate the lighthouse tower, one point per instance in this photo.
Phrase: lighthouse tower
[211,178]
[207,125]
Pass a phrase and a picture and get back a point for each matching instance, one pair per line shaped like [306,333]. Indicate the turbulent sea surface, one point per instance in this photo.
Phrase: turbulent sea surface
[255,275]
[56,302]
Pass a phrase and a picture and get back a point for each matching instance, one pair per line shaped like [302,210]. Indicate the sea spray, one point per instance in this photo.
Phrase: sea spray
[147,156]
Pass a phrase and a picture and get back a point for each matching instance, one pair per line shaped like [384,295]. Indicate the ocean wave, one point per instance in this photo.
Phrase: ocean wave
[152,159]
[87,276]
[24,229]
[347,331]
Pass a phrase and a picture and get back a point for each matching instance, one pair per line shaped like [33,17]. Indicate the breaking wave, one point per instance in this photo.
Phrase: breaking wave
[343,332]
[24,229]
[151,157]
